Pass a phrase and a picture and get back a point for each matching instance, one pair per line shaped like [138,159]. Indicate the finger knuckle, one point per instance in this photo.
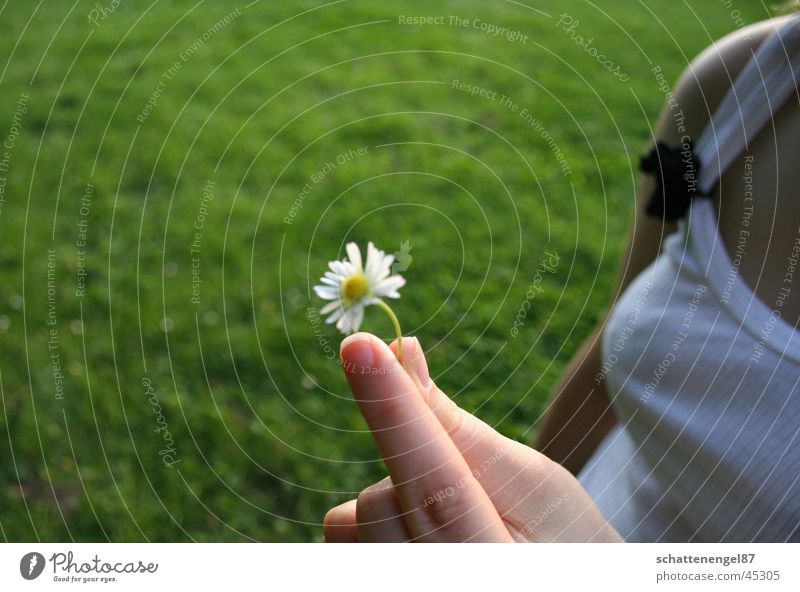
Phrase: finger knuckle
[441,507]
[369,499]
[547,470]
[382,485]
[459,424]
[364,502]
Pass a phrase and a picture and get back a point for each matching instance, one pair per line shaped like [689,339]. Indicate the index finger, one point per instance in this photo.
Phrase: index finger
[441,499]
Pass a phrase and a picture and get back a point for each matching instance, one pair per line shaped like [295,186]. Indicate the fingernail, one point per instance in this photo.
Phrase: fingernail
[357,353]
[420,364]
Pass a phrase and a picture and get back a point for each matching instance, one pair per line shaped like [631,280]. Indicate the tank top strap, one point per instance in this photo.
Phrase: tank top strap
[768,79]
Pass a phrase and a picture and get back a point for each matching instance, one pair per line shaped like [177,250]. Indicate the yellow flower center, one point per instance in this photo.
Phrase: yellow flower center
[355,287]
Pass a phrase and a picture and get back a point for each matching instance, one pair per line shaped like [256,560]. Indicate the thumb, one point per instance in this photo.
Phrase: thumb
[521,482]
[524,485]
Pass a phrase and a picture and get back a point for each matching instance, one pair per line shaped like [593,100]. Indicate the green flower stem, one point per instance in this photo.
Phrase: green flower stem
[408,367]
[397,330]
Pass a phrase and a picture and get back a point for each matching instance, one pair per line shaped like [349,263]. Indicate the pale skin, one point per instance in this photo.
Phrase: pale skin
[454,478]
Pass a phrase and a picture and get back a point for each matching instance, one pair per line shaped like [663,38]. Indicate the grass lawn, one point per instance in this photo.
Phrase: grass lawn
[176,176]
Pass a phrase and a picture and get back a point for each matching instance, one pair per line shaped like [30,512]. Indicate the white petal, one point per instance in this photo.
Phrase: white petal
[395,281]
[386,267]
[335,316]
[338,268]
[357,318]
[327,292]
[389,286]
[381,267]
[329,275]
[330,281]
[354,254]
[351,319]
[349,269]
[372,260]
[330,307]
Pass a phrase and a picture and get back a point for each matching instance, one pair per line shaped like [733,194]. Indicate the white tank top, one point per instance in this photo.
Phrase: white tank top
[703,375]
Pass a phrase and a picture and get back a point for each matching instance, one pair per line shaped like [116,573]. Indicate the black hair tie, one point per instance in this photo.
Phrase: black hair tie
[677,171]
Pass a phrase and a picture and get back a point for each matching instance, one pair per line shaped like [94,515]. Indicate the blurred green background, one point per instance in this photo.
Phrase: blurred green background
[138,132]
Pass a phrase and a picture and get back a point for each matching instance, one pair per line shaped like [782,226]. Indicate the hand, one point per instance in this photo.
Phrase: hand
[452,477]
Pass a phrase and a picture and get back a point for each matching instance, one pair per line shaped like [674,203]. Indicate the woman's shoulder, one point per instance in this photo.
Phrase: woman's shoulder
[756,199]
[698,92]
[707,78]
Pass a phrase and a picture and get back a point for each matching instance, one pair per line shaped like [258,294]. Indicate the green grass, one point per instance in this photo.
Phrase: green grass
[265,430]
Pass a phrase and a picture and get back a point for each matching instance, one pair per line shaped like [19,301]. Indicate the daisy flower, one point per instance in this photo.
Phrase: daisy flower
[352,286]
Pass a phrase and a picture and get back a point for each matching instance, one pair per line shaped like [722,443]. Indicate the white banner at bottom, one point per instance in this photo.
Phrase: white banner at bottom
[401,568]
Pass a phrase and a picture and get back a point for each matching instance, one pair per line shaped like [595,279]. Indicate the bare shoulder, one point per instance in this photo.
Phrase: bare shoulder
[757,210]
[708,77]
[696,95]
